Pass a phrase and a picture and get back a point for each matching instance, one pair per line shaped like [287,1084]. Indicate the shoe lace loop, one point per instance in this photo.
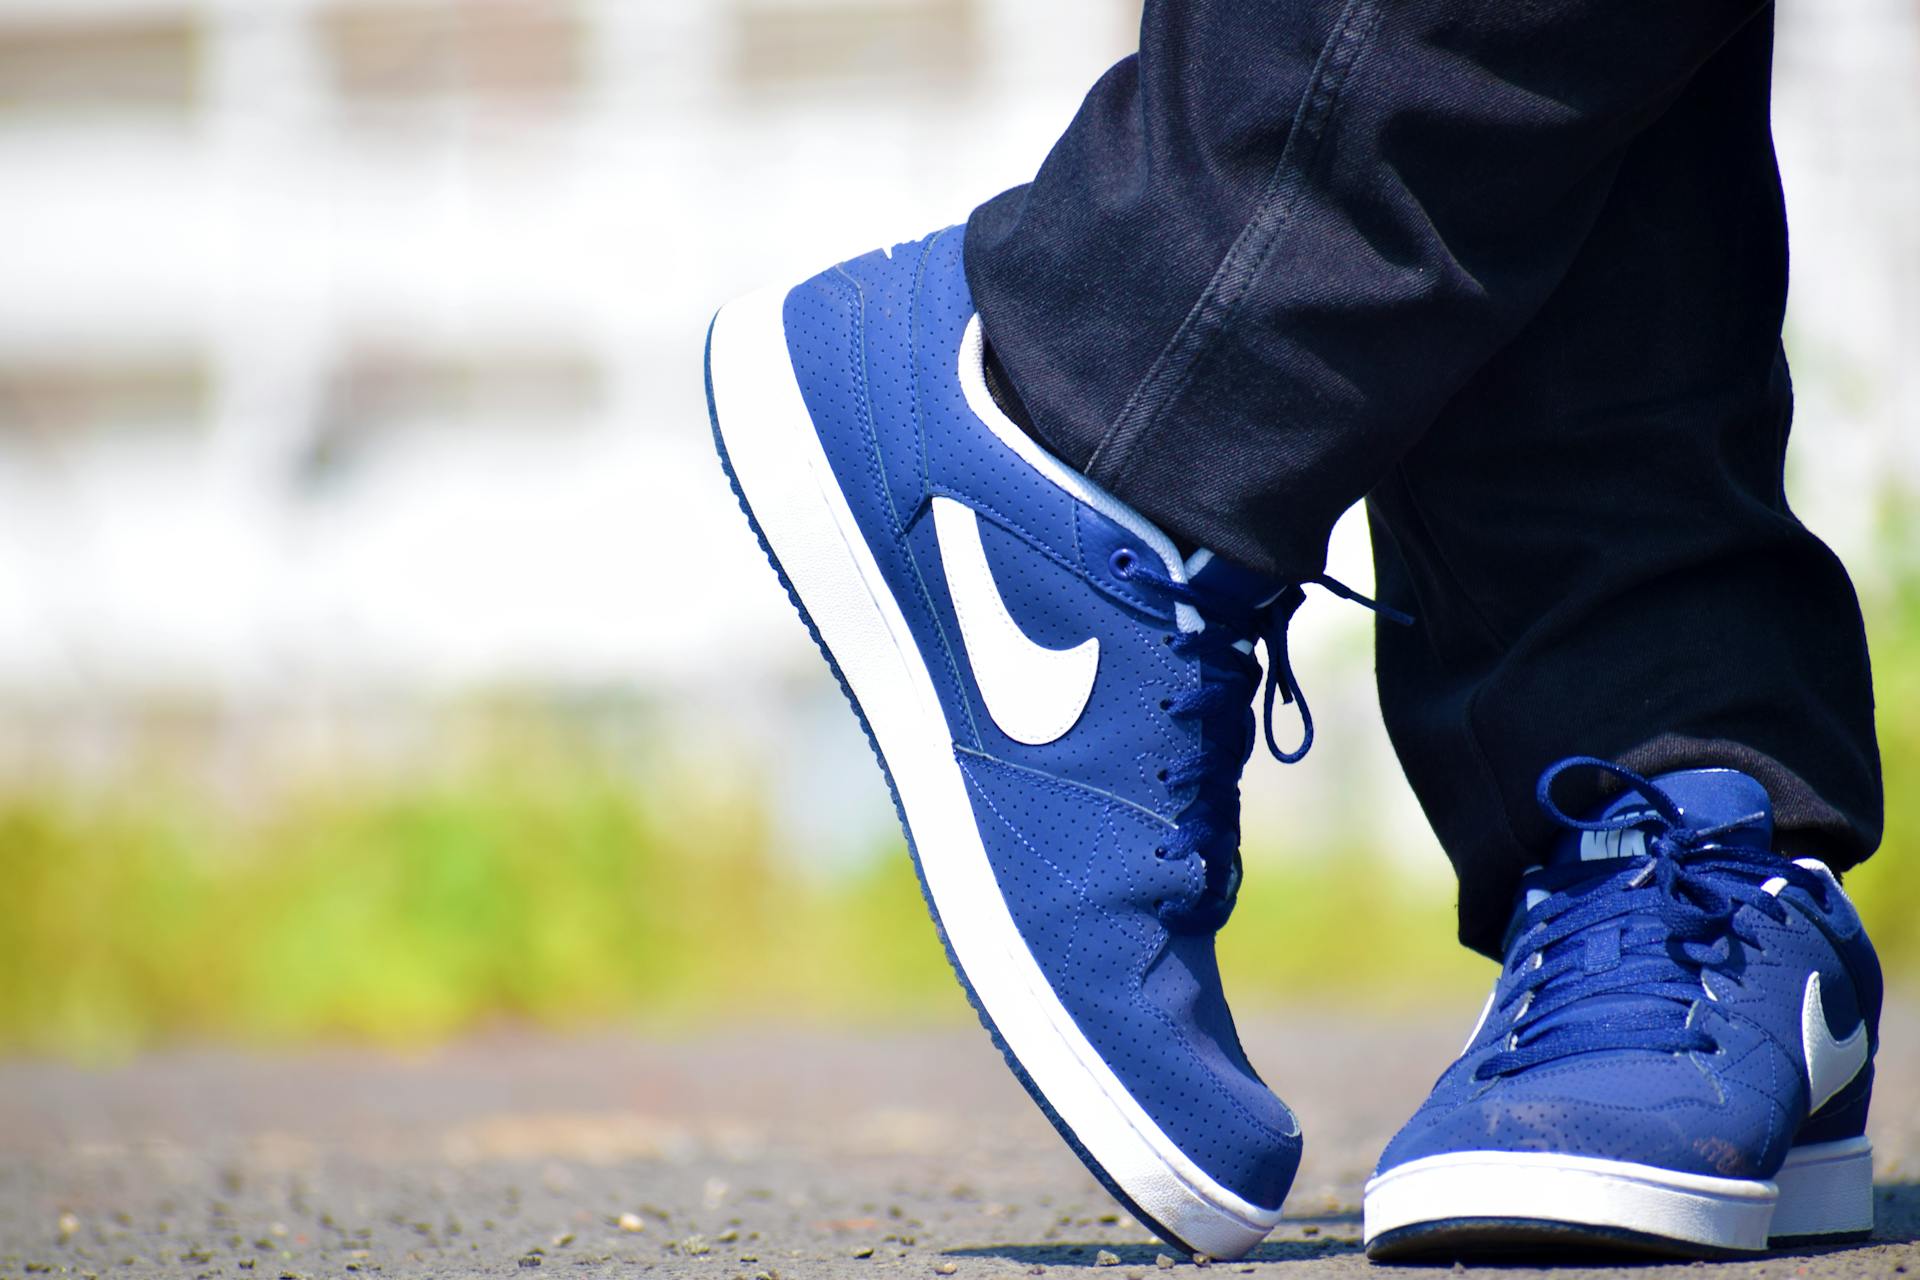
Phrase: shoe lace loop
[1646,934]
[1221,706]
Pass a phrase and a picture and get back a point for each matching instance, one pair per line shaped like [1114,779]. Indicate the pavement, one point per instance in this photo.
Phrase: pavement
[755,1154]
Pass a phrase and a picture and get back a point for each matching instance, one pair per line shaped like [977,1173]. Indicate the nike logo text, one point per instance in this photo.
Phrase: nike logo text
[1033,693]
[1831,1064]
[1601,846]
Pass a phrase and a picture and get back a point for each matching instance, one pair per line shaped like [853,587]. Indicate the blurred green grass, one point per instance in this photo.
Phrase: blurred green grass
[542,878]
[539,884]
[535,882]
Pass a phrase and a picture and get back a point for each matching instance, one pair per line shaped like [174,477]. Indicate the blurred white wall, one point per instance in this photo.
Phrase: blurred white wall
[355,360]
[351,350]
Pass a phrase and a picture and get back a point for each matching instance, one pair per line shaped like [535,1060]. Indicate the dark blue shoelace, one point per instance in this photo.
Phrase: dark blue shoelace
[1614,960]
[1221,706]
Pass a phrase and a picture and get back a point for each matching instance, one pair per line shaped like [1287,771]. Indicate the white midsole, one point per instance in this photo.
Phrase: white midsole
[1823,1190]
[783,471]
[1826,1189]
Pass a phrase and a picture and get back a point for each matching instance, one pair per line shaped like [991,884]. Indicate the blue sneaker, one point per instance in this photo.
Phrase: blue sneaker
[1678,1056]
[1059,700]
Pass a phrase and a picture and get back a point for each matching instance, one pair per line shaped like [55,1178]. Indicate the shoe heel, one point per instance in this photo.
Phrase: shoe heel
[1826,1193]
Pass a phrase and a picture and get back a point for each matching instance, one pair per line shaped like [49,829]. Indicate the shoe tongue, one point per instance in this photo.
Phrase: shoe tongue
[1705,797]
[1223,578]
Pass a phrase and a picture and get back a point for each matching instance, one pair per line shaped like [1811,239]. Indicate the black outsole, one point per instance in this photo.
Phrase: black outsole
[1013,1063]
[1515,1239]
[1830,1240]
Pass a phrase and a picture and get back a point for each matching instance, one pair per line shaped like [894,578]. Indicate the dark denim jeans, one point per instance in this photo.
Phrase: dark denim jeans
[1513,271]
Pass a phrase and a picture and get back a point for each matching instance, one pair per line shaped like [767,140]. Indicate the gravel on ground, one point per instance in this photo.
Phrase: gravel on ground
[745,1155]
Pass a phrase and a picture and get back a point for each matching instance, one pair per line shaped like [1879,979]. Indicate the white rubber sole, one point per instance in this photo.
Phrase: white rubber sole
[789,486]
[1826,1189]
[1534,1197]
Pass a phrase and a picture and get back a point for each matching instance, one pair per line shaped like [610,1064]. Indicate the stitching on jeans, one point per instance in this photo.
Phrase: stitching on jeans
[1233,279]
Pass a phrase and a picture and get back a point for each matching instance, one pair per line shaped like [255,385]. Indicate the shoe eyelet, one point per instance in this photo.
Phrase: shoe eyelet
[1166,704]
[1122,562]
[1161,776]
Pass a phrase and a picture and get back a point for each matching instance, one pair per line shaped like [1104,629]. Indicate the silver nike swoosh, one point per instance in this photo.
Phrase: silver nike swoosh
[1035,694]
[1831,1064]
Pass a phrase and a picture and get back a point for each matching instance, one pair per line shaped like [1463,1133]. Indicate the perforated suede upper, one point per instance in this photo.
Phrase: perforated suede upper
[1072,826]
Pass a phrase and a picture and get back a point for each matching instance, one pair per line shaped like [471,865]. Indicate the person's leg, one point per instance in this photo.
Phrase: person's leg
[1596,538]
[1272,246]
[1678,1051]
[1266,255]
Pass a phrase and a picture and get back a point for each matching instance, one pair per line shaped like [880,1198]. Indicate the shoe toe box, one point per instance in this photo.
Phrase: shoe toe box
[1672,1111]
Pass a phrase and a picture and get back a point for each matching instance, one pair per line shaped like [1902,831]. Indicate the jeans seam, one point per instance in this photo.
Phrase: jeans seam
[1476,748]
[1218,304]
[1490,779]
[1497,636]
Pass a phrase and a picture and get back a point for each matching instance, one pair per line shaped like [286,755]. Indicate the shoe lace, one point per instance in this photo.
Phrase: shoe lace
[1645,935]
[1208,824]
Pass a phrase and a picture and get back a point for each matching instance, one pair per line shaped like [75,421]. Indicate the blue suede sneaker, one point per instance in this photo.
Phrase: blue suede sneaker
[1060,701]
[1677,1058]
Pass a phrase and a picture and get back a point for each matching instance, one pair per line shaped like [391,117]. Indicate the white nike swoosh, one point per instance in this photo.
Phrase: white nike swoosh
[1035,694]
[1831,1064]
